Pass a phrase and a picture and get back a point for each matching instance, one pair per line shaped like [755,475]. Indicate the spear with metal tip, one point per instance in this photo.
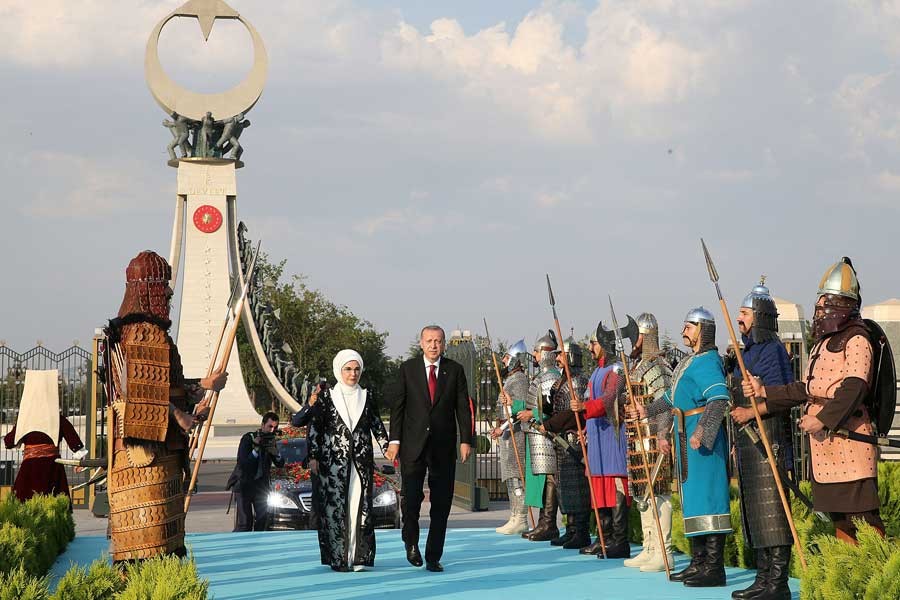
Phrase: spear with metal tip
[620,347]
[509,418]
[714,277]
[575,400]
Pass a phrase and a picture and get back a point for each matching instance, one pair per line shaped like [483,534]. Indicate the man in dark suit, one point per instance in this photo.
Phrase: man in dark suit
[257,453]
[433,399]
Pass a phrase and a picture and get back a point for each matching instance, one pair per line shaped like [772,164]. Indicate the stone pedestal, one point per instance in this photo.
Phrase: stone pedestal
[205,228]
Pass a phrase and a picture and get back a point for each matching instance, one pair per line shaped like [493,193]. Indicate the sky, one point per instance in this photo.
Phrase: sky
[431,161]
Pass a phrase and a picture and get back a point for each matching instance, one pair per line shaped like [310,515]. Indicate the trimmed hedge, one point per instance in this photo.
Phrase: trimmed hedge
[34,533]
[161,578]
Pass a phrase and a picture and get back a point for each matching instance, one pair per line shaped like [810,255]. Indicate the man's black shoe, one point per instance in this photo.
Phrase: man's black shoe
[413,555]
[434,567]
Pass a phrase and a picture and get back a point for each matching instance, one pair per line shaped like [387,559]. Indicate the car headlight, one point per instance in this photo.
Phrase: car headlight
[386,498]
[276,500]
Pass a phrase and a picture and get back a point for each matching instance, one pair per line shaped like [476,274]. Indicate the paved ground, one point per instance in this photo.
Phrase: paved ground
[478,562]
[207,515]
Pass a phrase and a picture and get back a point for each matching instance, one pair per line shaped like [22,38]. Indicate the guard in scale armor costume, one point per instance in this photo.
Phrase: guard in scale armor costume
[698,398]
[151,404]
[765,525]
[515,384]
[607,446]
[838,379]
[574,494]
[540,456]
[652,377]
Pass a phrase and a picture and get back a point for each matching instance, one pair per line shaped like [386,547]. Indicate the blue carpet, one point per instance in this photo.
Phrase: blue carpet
[275,565]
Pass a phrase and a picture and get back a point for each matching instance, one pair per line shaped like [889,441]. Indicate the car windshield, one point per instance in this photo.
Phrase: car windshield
[293,451]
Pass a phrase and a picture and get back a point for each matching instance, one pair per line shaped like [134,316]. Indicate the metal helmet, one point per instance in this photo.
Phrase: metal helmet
[546,342]
[646,323]
[518,355]
[765,315]
[707,322]
[573,352]
[840,280]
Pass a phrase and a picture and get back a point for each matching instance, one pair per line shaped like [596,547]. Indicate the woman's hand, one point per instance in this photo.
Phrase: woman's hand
[314,397]
[314,466]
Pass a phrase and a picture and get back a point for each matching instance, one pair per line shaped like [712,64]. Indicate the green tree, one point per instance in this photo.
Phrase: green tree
[315,329]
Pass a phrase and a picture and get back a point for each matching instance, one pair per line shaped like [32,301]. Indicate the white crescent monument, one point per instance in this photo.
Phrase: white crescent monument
[204,234]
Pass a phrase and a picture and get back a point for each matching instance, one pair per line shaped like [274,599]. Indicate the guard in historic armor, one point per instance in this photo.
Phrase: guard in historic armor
[839,376]
[651,377]
[607,446]
[574,494]
[540,456]
[766,527]
[151,405]
[698,398]
[515,388]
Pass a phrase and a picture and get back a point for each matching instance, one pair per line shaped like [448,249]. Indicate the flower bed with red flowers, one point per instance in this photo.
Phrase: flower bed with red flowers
[289,432]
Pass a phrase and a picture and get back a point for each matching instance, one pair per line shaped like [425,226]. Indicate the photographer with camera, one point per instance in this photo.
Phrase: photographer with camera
[256,455]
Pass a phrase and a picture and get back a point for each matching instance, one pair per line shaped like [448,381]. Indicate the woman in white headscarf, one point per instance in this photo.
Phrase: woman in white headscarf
[341,457]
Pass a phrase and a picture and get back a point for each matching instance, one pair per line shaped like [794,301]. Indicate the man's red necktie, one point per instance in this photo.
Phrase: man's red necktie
[432,382]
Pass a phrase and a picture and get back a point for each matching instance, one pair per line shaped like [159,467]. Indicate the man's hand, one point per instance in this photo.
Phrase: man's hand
[741,415]
[811,424]
[695,442]
[314,466]
[576,405]
[184,420]
[464,451]
[216,381]
[664,446]
[507,401]
[753,387]
[392,451]
[496,432]
[524,415]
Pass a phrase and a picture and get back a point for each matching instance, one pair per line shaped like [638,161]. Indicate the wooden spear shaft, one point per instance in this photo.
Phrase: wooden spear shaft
[640,435]
[509,419]
[714,276]
[574,398]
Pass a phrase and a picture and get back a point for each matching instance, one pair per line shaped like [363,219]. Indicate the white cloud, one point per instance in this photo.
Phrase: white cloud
[72,186]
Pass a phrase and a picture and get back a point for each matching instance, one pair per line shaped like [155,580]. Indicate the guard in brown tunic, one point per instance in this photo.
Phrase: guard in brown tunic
[152,406]
[838,379]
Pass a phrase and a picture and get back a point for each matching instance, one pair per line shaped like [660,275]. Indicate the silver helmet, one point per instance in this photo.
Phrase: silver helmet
[646,323]
[573,352]
[840,280]
[518,355]
[649,328]
[707,322]
[765,315]
[546,342]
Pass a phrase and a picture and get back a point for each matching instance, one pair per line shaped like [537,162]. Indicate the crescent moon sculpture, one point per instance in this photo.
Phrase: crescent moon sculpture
[174,98]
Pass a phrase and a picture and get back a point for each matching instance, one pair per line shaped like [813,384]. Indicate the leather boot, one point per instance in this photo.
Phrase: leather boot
[777,580]
[546,529]
[698,556]
[516,525]
[582,523]
[568,535]
[658,560]
[606,523]
[711,572]
[761,581]
[649,539]
[617,545]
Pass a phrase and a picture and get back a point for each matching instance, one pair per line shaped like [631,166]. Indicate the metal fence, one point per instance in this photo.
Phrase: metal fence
[78,402]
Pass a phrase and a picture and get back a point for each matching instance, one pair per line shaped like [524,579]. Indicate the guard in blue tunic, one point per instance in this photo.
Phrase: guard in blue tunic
[698,399]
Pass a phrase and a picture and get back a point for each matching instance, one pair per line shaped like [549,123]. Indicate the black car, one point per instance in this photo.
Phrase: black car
[290,493]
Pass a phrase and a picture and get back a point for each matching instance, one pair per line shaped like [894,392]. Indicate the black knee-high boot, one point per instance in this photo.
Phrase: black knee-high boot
[698,556]
[712,572]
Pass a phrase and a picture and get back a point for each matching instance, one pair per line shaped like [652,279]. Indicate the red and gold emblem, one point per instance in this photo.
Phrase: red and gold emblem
[207,218]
